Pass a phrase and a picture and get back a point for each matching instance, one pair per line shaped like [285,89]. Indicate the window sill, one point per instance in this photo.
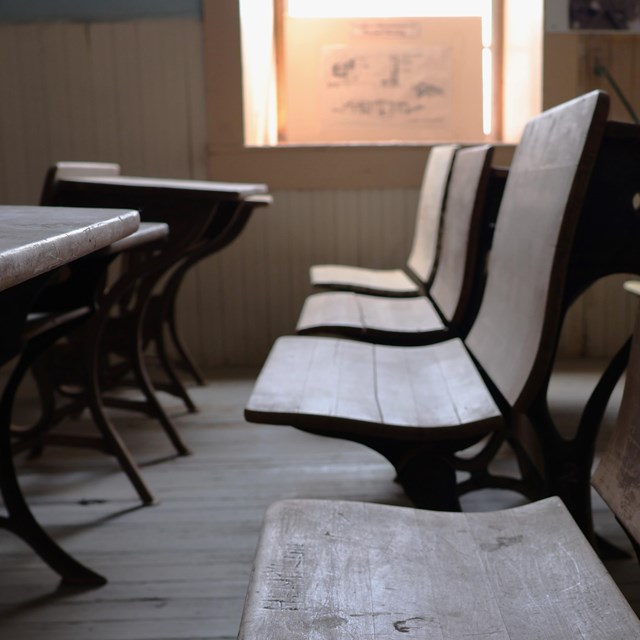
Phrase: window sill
[329,166]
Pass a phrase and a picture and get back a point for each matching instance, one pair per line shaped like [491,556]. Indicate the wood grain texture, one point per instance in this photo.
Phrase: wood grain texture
[466,233]
[459,275]
[514,335]
[265,274]
[179,570]
[125,72]
[390,282]
[620,58]
[424,249]
[433,197]
[435,393]
[38,239]
[374,318]
[617,477]
[99,92]
[332,569]
[344,388]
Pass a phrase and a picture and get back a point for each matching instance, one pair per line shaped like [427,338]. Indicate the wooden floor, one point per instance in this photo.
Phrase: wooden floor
[179,570]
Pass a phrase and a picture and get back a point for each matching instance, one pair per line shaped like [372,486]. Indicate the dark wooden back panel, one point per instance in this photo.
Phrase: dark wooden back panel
[62,170]
[433,192]
[515,333]
[462,227]
[617,478]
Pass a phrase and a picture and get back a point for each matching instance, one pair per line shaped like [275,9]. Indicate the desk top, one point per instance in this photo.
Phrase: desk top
[34,240]
[220,190]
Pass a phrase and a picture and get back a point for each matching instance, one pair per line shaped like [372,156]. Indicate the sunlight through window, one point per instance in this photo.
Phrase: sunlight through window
[413,9]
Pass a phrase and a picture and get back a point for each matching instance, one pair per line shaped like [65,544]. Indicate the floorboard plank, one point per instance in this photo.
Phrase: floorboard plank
[179,570]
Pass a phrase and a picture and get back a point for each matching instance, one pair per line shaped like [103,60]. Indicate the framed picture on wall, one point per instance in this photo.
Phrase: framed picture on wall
[605,14]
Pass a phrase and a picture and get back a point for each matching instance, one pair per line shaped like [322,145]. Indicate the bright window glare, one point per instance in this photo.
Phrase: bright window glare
[387,8]
[396,9]
[487,86]
[411,9]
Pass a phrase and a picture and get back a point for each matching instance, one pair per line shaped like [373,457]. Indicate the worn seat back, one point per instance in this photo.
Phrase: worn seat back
[473,199]
[349,569]
[424,249]
[515,333]
[450,304]
[432,201]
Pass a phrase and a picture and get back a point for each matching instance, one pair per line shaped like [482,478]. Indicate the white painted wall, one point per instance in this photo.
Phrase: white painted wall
[128,92]
[133,93]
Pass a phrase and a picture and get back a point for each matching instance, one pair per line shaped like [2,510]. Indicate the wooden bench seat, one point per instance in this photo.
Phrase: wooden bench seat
[410,281]
[375,390]
[417,406]
[547,217]
[387,282]
[336,569]
[456,281]
[372,318]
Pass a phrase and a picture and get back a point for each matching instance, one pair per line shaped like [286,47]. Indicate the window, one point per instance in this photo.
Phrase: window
[368,70]
[250,119]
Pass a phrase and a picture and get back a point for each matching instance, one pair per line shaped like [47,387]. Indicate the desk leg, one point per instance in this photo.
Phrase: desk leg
[21,521]
[568,463]
[145,384]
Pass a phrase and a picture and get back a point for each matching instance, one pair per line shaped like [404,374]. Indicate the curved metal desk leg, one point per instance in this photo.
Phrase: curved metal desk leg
[167,316]
[112,439]
[145,384]
[20,520]
[185,357]
[224,229]
[129,294]
[160,313]
[175,383]
[568,463]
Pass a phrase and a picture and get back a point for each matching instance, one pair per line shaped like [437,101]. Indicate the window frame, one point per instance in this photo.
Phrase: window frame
[317,166]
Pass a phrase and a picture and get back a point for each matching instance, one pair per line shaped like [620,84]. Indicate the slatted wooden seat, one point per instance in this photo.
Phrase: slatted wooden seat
[424,250]
[418,406]
[453,298]
[357,570]
[343,570]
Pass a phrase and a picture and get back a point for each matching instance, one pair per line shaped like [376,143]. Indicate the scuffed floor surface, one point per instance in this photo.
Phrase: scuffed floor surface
[179,570]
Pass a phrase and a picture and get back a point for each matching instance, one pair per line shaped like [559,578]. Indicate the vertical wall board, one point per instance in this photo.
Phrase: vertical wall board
[129,111]
[133,92]
[14,153]
[193,70]
[33,107]
[62,130]
[104,87]
[254,290]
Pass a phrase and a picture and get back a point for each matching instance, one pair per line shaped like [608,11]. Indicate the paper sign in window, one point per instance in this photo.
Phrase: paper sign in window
[386,86]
